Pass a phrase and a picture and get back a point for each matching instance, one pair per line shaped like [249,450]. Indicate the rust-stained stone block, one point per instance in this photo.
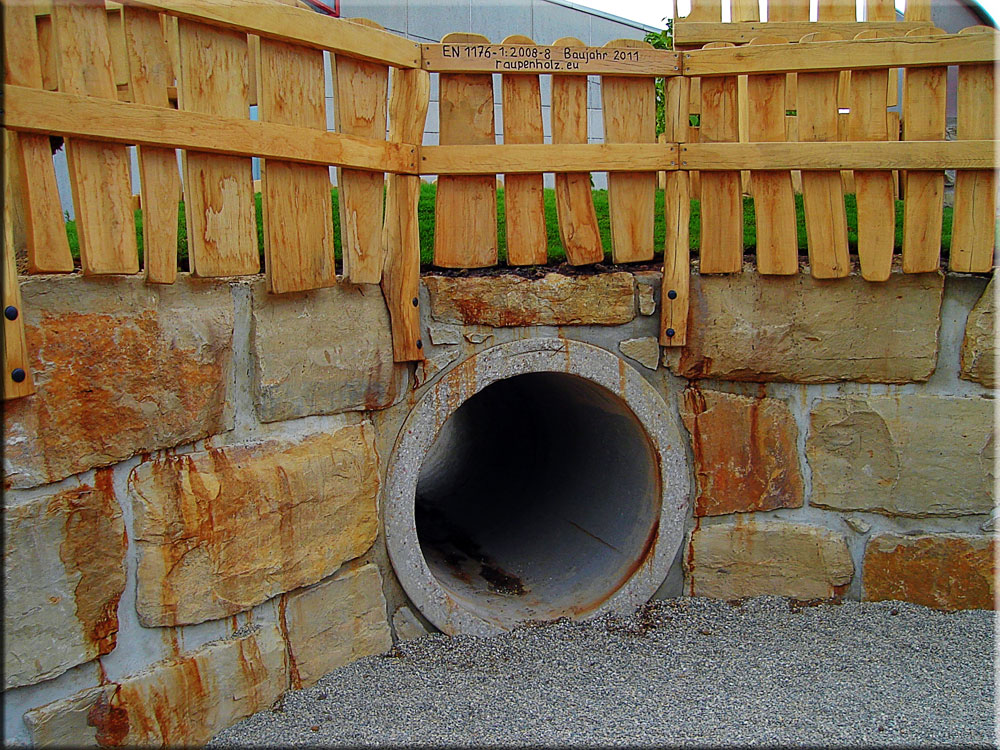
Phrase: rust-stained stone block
[181,701]
[334,623]
[943,571]
[121,367]
[223,530]
[909,455]
[802,330]
[557,300]
[979,347]
[64,573]
[745,453]
[754,558]
[323,352]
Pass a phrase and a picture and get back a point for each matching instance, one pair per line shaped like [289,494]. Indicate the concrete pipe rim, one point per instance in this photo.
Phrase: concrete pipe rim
[451,391]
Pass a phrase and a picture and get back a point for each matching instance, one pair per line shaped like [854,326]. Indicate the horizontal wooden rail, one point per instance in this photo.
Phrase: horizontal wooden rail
[33,110]
[295,26]
[535,158]
[839,155]
[697,33]
[920,51]
[555,59]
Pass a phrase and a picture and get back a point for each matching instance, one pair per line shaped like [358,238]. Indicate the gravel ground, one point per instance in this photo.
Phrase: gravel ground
[688,672]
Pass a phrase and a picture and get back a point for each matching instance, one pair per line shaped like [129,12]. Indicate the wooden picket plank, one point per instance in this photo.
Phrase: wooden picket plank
[774,201]
[917,10]
[401,234]
[973,233]
[868,121]
[674,297]
[34,172]
[822,191]
[160,181]
[688,35]
[218,190]
[465,227]
[629,106]
[524,197]
[578,228]
[721,197]
[298,228]
[786,11]
[99,173]
[532,158]
[17,377]
[703,11]
[361,89]
[924,91]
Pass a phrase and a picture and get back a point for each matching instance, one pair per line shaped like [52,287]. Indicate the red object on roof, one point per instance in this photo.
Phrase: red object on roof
[320,6]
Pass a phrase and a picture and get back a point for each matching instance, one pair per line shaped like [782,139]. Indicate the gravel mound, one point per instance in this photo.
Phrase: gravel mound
[687,672]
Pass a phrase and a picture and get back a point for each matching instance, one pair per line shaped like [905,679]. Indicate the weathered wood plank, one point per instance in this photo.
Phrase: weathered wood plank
[774,201]
[867,121]
[401,277]
[524,197]
[465,230]
[630,117]
[924,92]
[99,173]
[17,378]
[973,232]
[298,228]
[31,110]
[578,228]
[822,191]
[218,190]
[361,89]
[721,197]
[534,158]
[674,297]
[557,59]
[296,26]
[160,181]
[45,230]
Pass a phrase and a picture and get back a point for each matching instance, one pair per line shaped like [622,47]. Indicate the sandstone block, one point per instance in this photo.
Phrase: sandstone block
[943,571]
[645,351]
[406,624]
[64,573]
[121,367]
[336,622]
[904,455]
[979,347]
[745,453]
[220,531]
[603,299]
[322,352]
[179,702]
[798,329]
[735,560]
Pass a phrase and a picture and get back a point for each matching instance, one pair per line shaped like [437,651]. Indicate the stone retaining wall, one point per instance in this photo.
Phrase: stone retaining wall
[192,498]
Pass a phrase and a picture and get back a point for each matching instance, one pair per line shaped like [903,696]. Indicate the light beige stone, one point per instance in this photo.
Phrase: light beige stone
[795,328]
[647,301]
[908,455]
[944,571]
[406,624]
[753,558]
[121,367]
[322,352]
[64,573]
[444,334]
[181,701]
[645,351]
[507,300]
[220,531]
[745,452]
[979,347]
[65,722]
[336,622]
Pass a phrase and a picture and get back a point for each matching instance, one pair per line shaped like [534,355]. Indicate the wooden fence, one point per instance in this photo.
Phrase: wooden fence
[182,74]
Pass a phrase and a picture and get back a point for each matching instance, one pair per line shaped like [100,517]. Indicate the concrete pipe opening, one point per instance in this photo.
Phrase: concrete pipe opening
[540,492]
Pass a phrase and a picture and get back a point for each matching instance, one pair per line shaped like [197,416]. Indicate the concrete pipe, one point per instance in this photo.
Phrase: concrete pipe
[536,480]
